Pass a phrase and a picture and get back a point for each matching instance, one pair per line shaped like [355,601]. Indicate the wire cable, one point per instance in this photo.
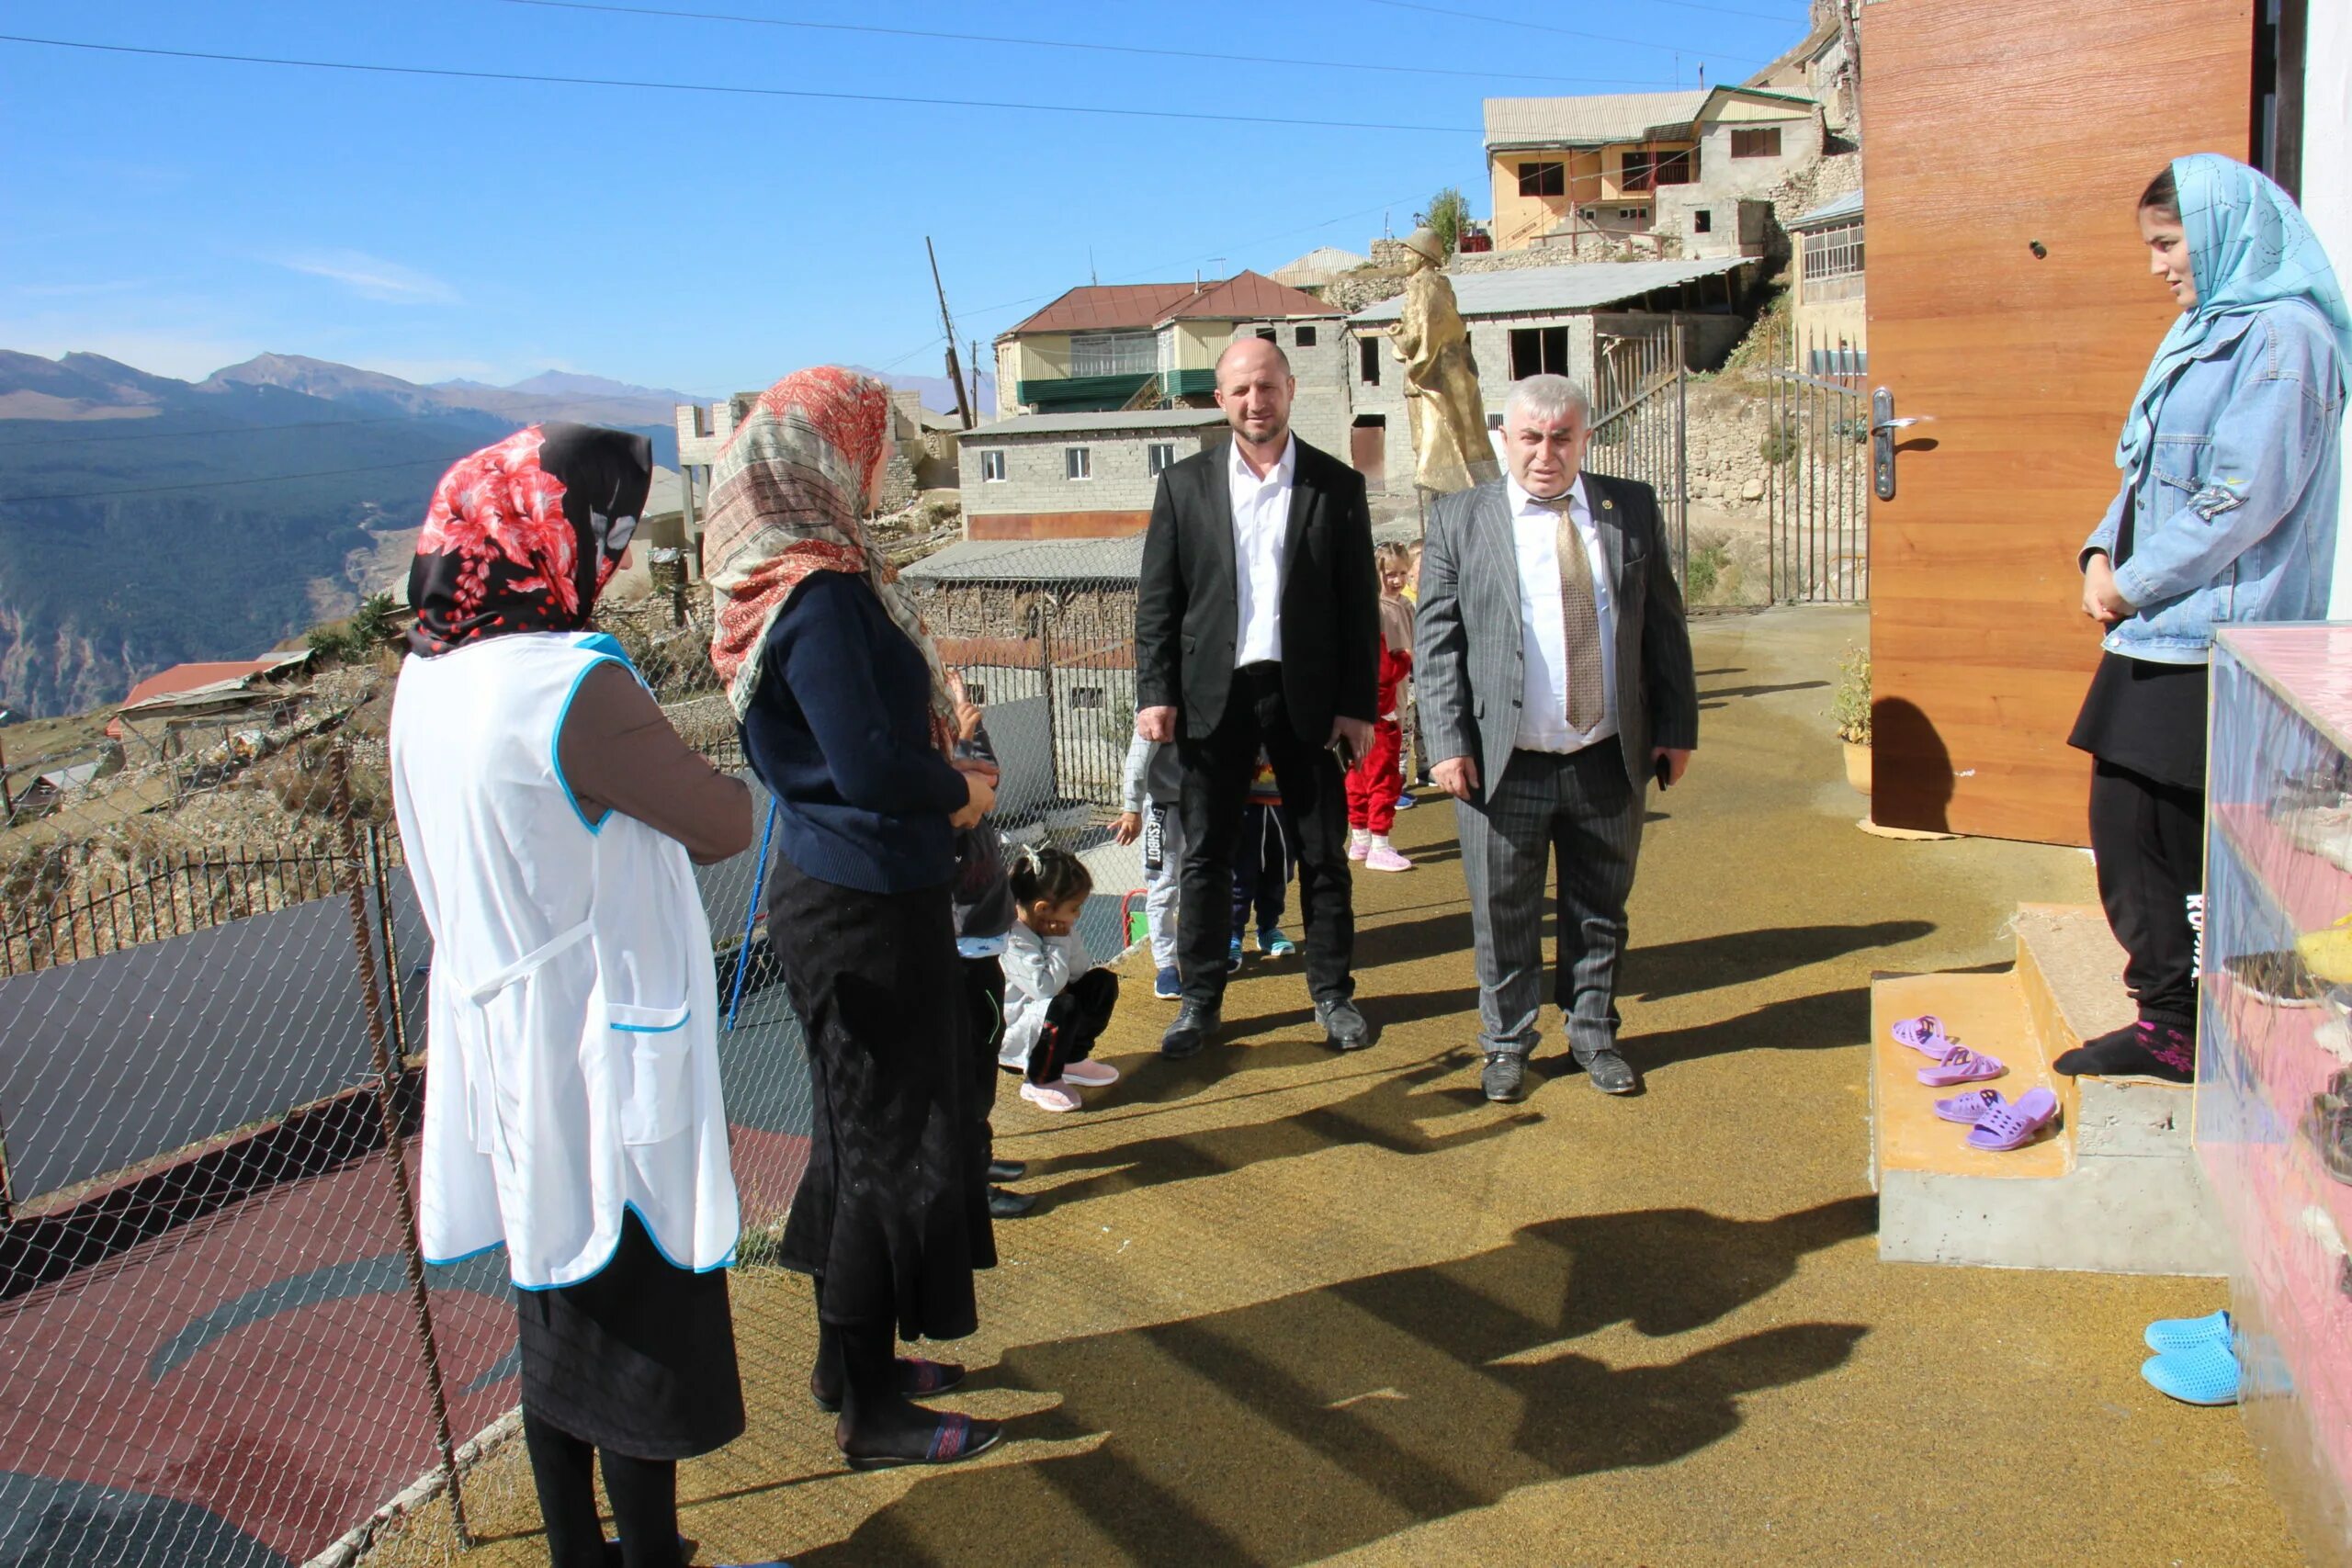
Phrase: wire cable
[1564,32]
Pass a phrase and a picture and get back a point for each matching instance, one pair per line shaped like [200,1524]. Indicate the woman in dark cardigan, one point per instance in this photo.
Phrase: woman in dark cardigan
[847,719]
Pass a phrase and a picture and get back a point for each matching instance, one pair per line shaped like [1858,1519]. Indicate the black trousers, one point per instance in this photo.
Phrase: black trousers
[984,1006]
[2149,841]
[1074,1022]
[1217,768]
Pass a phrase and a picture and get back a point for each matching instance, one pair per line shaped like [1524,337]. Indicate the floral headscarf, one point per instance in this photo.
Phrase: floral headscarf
[787,495]
[522,535]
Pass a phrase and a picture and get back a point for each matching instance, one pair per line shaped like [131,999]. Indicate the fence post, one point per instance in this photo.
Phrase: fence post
[354,877]
[392,983]
[1681,461]
[1045,684]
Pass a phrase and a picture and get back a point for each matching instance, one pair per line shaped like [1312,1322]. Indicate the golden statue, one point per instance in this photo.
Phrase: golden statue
[1443,408]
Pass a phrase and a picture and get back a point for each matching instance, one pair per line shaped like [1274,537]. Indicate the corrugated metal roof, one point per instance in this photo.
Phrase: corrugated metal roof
[1593,120]
[1557,291]
[1322,262]
[1847,206]
[1032,560]
[1123,421]
[1113,307]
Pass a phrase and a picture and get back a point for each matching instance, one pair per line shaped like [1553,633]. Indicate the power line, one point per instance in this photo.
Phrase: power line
[1571,33]
[1226,58]
[450,73]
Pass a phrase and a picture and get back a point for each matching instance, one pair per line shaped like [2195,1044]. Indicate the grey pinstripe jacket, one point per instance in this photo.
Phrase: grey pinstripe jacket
[1469,658]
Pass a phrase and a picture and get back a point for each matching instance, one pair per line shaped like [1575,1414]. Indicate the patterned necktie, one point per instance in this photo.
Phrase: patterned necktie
[1579,619]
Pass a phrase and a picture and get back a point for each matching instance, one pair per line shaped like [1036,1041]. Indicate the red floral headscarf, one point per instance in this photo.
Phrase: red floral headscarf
[522,535]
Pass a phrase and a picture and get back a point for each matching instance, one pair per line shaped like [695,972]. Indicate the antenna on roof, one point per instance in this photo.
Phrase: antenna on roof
[1703,74]
[1092,275]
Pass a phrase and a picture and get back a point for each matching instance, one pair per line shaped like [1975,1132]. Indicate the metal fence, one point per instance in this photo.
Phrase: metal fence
[218,1343]
[1817,495]
[1638,431]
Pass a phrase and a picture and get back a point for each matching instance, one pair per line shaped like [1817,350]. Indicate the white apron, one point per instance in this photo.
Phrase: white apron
[573,1021]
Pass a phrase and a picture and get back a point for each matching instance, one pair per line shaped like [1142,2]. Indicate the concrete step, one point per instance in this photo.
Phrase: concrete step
[2114,1190]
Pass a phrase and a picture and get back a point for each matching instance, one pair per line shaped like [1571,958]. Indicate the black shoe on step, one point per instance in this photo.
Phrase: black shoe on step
[1007,1169]
[2157,1051]
[1193,1025]
[1343,1027]
[1004,1206]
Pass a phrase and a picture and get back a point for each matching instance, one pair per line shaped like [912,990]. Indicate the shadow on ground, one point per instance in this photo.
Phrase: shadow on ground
[1384,1402]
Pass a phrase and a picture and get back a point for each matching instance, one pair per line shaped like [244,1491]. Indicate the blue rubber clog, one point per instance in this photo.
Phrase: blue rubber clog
[2202,1374]
[2181,1333]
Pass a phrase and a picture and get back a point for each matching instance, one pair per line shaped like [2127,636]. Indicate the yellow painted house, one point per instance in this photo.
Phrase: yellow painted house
[1620,166]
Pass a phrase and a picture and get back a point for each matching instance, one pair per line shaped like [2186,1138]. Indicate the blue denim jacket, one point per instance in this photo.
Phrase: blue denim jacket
[2236,505]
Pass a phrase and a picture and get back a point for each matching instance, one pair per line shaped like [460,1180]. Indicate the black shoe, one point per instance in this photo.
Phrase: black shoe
[1609,1073]
[1007,1170]
[1505,1079]
[1193,1025]
[2140,1050]
[1003,1205]
[1343,1027]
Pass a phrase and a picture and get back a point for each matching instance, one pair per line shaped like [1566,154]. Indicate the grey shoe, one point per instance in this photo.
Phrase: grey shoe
[1609,1073]
[1343,1027]
[1505,1078]
[1194,1023]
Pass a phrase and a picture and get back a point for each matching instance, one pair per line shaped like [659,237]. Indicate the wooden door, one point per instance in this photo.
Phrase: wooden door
[2004,143]
[1368,450]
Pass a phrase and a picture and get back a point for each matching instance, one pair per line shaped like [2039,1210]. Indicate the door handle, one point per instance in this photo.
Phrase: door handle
[1884,424]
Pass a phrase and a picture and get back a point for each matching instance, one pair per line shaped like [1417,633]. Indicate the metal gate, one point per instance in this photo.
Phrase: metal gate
[1637,428]
[1817,492]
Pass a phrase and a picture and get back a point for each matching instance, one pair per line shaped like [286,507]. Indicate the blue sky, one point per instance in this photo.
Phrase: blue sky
[182,215]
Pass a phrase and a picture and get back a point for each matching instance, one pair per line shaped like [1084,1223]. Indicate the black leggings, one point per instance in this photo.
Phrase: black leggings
[644,1493]
[2149,841]
[1074,1022]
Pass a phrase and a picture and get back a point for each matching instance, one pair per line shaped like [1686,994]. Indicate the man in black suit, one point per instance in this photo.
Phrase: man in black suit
[1257,625]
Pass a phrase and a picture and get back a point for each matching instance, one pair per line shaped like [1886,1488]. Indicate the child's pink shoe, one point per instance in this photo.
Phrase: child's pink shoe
[1383,857]
[1056,1096]
[1359,843]
[1090,1074]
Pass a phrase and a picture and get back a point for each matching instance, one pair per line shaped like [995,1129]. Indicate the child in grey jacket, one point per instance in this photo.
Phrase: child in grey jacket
[1155,787]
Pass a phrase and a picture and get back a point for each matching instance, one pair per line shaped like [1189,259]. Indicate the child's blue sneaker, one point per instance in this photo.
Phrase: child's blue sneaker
[1169,987]
[2202,1374]
[1233,956]
[1273,944]
[2185,1333]
[1405,802]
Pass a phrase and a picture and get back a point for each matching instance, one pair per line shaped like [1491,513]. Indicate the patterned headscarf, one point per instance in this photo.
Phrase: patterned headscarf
[787,495]
[522,535]
[2249,248]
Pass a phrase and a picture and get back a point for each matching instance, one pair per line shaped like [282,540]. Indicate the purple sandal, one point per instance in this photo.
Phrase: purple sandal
[1970,1108]
[1924,1034]
[2012,1126]
[1961,1065]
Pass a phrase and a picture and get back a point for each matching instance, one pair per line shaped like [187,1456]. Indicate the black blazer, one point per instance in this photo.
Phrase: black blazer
[1188,604]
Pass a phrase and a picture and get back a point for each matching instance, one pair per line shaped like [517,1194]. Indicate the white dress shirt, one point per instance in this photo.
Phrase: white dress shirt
[1544,713]
[1261,531]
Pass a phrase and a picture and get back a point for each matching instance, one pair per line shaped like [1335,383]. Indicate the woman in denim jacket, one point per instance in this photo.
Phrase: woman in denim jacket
[2226,515]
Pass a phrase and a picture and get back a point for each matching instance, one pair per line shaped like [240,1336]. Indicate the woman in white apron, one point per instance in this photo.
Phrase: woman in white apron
[572,1115]
[848,719]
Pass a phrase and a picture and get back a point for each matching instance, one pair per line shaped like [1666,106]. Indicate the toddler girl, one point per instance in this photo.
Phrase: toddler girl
[1378,776]
[1057,1001]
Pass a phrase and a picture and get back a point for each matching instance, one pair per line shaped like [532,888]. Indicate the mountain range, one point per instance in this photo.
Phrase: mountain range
[146,521]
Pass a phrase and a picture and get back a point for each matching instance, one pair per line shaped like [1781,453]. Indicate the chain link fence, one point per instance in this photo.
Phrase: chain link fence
[219,1342]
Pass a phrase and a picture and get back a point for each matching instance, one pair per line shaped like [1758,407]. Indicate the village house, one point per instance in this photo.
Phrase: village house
[1579,321]
[1685,174]
[1064,476]
[1832,329]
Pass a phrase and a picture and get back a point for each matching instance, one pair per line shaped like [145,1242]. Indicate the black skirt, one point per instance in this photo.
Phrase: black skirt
[2147,717]
[638,1359]
[890,1217]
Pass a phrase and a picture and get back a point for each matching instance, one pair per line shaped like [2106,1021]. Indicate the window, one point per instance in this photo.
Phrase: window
[1702,221]
[1833,263]
[1160,457]
[1266,334]
[1086,696]
[993,465]
[1539,351]
[1543,179]
[1764,144]
[1077,463]
[976,693]
[1113,353]
[1840,361]
[1368,360]
[1647,170]
[1634,172]
[1304,337]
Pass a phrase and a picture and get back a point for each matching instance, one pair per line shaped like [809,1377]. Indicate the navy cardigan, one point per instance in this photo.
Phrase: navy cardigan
[840,730]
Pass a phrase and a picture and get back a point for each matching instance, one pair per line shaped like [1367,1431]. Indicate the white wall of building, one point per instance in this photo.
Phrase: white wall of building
[2328,193]
[1037,470]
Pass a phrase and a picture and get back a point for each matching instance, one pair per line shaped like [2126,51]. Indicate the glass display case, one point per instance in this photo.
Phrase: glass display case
[2273,1077]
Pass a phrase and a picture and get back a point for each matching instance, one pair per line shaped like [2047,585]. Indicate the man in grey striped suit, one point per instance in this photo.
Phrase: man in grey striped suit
[1553,670]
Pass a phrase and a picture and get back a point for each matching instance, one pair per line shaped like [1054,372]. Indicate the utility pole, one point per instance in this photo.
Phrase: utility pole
[976,375]
[1846,30]
[947,324]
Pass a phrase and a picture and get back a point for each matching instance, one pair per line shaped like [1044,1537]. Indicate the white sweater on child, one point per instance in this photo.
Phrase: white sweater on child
[1036,969]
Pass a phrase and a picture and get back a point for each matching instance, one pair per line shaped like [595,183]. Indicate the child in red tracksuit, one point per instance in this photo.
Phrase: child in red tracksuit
[1378,777]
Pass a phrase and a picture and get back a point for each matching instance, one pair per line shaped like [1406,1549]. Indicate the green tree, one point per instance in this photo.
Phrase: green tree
[1449,214]
[371,626]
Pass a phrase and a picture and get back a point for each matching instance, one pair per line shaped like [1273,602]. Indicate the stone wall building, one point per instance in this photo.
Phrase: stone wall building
[1061,475]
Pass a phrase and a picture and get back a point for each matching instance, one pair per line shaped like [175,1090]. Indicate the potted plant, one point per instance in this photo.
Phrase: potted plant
[1850,709]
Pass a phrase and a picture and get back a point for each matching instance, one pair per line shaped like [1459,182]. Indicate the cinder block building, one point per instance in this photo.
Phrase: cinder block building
[1075,475]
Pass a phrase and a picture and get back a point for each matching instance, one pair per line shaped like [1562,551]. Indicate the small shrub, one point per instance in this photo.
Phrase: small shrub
[1849,703]
[329,645]
[371,626]
[1778,446]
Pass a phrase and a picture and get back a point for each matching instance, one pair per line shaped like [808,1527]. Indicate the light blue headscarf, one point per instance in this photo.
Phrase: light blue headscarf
[2249,248]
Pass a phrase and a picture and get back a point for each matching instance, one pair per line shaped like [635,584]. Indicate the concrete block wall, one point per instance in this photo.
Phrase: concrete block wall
[1036,472]
[1321,413]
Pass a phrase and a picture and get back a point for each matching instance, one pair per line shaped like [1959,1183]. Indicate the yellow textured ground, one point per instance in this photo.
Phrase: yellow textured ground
[1285,1307]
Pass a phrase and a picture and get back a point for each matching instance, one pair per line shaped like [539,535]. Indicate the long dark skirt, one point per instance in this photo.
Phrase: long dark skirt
[638,1359]
[889,1217]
